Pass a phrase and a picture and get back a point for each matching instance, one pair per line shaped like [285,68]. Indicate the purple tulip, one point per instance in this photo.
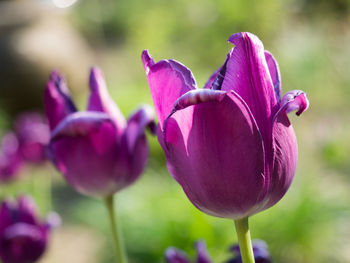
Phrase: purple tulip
[11,159]
[23,236]
[97,151]
[33,134]
[174,255]
[261,253]
[230,145]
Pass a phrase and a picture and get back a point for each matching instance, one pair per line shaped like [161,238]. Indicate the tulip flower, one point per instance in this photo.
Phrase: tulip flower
[11,160]
[229,145]
[261,253]
[97,151]
[174,255]
[26,144]
[23,236]
[33,134]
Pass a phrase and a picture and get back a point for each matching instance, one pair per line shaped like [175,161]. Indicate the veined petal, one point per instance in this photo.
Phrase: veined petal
[247,73]
[58,103]
[174,255]
[275,74]
[285,148]
[85,148]
[101,101]
[209,148]
[168,80]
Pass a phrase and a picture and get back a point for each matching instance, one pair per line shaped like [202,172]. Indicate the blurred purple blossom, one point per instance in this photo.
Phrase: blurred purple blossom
[23,236]
[97,150]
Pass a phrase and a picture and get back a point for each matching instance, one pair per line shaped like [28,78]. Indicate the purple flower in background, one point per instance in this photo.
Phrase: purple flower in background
[10,158]
[33,135]
[97,150]
[230,145]
[261,253]
[174,255]
[27,144]
[23,236]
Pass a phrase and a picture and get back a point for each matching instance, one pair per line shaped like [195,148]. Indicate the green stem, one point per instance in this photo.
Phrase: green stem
[119,246]
[244,240]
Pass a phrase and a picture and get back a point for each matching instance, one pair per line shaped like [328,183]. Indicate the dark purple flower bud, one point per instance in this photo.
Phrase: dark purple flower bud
[261,253]
[97,151]
[230,145]
[174,255]
[10,157]
[33,134]
[23,236]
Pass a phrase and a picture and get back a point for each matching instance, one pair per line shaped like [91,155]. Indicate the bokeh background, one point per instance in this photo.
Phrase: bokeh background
[309,38]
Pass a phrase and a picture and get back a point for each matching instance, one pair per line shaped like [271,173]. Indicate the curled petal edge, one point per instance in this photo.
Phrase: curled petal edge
[194,97]
[294,100]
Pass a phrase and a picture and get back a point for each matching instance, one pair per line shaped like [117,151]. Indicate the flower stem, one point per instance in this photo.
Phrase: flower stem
[118,243]
[244,240]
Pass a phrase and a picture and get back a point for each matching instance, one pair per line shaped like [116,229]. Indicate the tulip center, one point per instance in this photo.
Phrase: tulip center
[217,83]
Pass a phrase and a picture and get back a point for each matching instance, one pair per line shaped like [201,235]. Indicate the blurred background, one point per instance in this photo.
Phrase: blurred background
[309,38]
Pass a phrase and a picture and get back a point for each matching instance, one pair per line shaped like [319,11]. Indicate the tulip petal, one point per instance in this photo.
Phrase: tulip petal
[85,149]
[101,101]
[202,253]
[174,255]
[134,145]
[284,162]
[196,96]
[58,103]
[27,210]
[137,122]
[5,214]
[209,148]
[247,73]
[294,100]
[168,80]
[275,74]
